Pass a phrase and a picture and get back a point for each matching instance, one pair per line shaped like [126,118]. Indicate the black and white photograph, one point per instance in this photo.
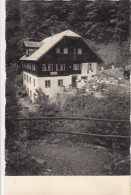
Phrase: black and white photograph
[67,88]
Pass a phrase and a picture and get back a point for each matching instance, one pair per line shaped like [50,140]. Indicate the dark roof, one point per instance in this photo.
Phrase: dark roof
[33,44]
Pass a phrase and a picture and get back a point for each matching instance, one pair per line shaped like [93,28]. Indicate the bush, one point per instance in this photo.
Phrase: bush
[112,106]
[45,108]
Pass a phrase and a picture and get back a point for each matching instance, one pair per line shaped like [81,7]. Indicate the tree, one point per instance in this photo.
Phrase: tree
[45,108]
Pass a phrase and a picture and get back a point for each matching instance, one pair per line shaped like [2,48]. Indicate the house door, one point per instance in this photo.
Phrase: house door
[74,77]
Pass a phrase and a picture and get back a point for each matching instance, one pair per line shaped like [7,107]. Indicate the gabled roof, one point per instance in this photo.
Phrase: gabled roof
[32,44]
[50,42]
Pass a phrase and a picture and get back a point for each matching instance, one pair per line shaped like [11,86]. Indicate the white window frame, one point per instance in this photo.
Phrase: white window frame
[44,67]
[89,66]
[34,82]
[30,80]
[47,83]
[77,66]
[79,51]
[50,67]
[28,65]
[60,82]
[60,67]
[30,94]
[84,77]
[65,50]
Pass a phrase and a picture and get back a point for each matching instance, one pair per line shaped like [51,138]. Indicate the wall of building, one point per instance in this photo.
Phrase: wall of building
[54,88]
[30,86]
[85,72]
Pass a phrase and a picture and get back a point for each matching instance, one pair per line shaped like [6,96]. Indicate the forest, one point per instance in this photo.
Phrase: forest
[100,22]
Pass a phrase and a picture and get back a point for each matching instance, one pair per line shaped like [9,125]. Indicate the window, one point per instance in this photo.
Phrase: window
[27,78]
[24,77]
[33,66]
[57,50]
[30,94]
[90,67]
[65,50]
[79,51]
[50,67]
[84,77]
[60,67]
[47,84]
[72,50]
[44,67]
[76,66]
[60,83]
[23,64]
[34,82]
[61,50]
[28,66]
[30,80]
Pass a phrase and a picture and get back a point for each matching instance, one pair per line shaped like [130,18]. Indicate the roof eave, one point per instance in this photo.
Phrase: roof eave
[101,60]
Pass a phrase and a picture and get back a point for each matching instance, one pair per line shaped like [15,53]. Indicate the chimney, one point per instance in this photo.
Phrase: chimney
[113,66]
[102,68]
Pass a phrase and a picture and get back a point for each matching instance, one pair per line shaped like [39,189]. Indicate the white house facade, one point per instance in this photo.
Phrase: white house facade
[56,62]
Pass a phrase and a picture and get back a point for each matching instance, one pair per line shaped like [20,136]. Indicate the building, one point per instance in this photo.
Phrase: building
[57,61]
[110,76]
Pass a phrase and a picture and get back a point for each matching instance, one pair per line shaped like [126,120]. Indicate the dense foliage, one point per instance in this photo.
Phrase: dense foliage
[97,21]
[113,106]
[45,107]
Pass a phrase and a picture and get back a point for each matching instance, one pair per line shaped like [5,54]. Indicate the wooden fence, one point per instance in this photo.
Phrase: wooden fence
[92,127]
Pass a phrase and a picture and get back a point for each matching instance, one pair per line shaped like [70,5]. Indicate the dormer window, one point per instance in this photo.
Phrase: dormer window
[28,66]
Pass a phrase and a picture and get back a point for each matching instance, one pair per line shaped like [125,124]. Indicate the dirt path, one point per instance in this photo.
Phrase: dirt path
[69,159]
